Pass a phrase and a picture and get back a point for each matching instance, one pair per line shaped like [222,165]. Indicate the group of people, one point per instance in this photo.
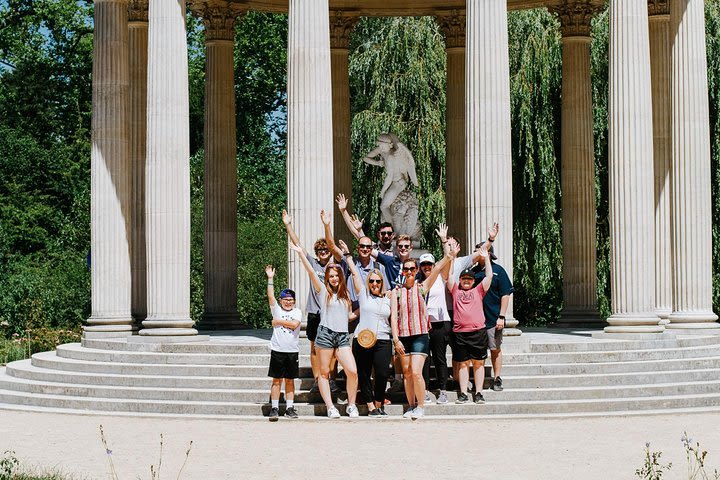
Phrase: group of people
[403,312]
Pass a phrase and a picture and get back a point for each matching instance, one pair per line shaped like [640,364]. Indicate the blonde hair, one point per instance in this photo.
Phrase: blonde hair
[377,272]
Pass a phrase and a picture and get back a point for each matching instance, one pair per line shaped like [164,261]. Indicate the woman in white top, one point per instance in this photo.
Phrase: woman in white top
[375,310]
[333,337]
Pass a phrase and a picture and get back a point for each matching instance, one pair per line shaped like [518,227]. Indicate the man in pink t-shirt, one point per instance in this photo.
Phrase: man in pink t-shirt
[471,341]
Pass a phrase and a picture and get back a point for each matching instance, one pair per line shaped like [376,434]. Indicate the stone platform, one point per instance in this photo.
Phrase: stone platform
[559,372]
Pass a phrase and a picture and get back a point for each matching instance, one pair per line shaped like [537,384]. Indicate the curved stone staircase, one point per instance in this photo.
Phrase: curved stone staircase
[545,374]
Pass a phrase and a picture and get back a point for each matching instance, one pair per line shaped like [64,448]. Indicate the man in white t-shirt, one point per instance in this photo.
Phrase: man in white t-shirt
[284,347]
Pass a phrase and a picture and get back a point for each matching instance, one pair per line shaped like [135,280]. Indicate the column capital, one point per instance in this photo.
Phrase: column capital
[658,7]
[575,16]
[218,17]
[138,11]
[341,26]
[452,25]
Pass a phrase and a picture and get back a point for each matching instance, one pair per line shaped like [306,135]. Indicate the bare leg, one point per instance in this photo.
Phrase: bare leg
[479,371]
[496,359]
[346,359]
[289,389]
[418,381]
[463,376]
[314,361]
[408,380]
[275,389]
[324,357]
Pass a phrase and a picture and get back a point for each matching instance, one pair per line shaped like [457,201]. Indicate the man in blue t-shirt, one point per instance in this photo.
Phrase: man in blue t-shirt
[495,305]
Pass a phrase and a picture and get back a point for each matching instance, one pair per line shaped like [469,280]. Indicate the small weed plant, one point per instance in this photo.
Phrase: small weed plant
[653,468]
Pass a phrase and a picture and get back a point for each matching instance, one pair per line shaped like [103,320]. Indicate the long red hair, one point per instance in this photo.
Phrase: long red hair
[342,291]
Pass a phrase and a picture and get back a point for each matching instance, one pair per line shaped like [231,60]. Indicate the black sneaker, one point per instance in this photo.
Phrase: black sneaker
[314,390]
[462,398]
[290,412]
[479,399]
[334,388]
[375,413]
[497,384]
[273,416]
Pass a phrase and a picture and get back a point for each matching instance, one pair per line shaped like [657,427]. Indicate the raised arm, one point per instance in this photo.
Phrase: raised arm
[353,223]
[487,281]
[314,279]
[442,233]
[270,272]
[439,267]
[453,248]
[287,220]
[337,253]
[493,231]
[357,279]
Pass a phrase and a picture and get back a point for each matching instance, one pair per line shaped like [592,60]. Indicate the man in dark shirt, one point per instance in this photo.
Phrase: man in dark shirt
[495,305]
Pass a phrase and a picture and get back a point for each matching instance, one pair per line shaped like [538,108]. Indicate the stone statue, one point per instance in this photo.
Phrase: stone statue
[399,204]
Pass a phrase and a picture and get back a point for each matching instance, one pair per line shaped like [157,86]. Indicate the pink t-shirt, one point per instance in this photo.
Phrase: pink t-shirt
[468,315]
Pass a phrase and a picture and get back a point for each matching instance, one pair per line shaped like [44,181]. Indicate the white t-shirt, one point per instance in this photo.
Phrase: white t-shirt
[374,314]
[437,302]
[283,339]
[335,313]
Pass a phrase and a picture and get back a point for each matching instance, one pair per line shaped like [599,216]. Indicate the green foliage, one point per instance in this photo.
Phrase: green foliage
[535,66]
[712,36]
[397,85]
[652,469]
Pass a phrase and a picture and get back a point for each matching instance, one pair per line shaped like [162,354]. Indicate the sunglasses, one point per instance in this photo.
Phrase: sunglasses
[408,269]
[403,247]
[427,264]
[362,245]
[386,234]
[372,280]
[322,250]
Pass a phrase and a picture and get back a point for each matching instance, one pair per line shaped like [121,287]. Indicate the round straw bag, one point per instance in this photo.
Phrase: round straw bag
[366,338]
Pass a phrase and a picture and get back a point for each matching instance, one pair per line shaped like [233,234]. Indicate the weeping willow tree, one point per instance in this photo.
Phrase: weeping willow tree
[535,68]
[397,85]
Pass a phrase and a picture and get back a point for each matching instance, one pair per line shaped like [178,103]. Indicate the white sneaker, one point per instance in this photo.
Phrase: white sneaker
[332,412]
[418,412]
[428,397]
[352,411]
[409,413]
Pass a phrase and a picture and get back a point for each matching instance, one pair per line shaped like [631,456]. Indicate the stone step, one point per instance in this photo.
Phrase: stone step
[78,352]
[491,407]
[52,361]
[526,346]
[262,395]
[24,369]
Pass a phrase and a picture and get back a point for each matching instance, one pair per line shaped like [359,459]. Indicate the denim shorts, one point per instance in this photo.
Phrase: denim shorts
[327,338]
[416,344]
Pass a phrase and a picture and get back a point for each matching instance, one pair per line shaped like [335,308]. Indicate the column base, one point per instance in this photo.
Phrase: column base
[686,321]
[221,321]
[99,334]
[168,338]
[108,327]
[168,332]
[511,329]
[573,317]
[622,323]
[157,327]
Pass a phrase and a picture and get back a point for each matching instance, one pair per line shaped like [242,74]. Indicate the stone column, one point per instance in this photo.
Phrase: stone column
[632,226]
[220,207]
[138,41]
[659,29]
[453,27]
[488,155]
[310,134]
[110,213]
[167,176]
[341,26]
[691,177]
[577,167]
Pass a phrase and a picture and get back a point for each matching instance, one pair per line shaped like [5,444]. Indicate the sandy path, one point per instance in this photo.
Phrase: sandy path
[584,448]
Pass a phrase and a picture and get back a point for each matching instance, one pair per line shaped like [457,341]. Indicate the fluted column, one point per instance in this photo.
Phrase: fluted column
[691,177]
[220,207]
[632,225]
[452,25]
[310,133]
[341,27]
[488,155]
[110,213]
[659,28]
[577,166]
[167,177]
[138,44]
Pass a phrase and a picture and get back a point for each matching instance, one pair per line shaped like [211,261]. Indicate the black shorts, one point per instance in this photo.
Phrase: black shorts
[313,321]
[283,364]
[470,345]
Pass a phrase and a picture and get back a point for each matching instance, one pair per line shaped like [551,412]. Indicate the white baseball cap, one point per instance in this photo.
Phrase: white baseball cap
[426,258]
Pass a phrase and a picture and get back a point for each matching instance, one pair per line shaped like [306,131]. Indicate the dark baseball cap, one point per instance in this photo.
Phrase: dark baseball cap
[287,293]
[491,250]
[467,273]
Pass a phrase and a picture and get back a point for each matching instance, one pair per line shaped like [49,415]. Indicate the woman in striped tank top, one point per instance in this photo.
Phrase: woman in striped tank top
[410,326]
